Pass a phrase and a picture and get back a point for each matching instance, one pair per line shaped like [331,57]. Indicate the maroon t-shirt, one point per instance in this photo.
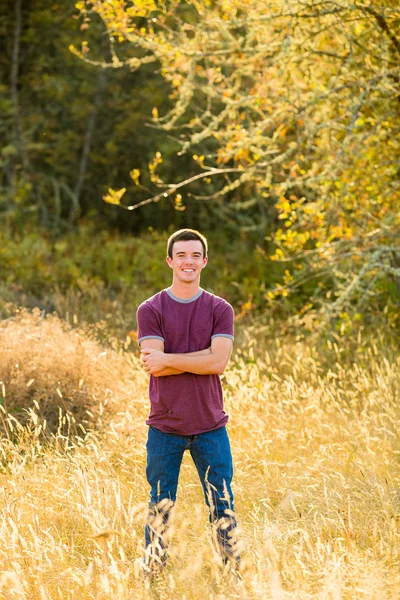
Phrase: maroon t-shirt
[185,404]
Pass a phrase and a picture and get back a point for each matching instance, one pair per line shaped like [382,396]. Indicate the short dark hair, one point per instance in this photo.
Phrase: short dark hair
[185,235]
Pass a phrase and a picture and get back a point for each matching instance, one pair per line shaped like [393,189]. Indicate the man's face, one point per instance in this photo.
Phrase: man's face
[187,260]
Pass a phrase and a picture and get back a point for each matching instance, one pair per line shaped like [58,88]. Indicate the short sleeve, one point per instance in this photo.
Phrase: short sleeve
[148,323]
[223,321]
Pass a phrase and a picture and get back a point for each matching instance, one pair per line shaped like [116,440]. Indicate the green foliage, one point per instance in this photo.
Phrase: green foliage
[62,105]
[275,127]
[110,272]
[94,275]
[297,105]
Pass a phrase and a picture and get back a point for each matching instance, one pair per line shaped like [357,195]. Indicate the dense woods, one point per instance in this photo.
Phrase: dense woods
[278,119]
[70,129]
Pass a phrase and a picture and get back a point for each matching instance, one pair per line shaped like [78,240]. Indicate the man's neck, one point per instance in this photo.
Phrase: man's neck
[184,291]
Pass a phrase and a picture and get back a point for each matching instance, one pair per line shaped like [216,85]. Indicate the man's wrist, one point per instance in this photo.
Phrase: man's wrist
[168,360]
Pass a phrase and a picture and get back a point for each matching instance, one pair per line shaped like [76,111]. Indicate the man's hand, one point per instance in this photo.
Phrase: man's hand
[153,360]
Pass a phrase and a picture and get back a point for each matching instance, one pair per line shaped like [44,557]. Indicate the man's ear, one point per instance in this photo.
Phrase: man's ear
[169,261]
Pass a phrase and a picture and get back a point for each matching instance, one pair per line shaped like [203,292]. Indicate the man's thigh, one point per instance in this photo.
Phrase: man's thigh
[164,459]
[212,456]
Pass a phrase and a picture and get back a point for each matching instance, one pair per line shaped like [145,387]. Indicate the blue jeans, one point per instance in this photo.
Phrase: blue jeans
[211,454]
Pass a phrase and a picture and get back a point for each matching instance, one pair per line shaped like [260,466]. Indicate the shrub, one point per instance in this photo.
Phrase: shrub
[59,372]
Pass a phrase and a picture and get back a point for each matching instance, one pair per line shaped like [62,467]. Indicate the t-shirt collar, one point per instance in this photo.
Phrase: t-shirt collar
[171,295]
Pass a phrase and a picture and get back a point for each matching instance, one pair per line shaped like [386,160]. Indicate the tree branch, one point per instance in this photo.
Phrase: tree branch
[174,187]
[380,19]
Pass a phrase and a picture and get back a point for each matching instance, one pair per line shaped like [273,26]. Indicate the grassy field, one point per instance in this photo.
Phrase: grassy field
[315,435]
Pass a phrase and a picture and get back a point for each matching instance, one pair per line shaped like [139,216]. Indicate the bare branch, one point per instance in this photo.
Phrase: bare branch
[174,187]
[380,19]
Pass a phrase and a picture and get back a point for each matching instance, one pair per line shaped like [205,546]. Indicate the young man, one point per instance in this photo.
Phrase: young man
[186,335]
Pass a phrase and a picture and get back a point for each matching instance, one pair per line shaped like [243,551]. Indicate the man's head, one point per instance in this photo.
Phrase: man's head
[185,235]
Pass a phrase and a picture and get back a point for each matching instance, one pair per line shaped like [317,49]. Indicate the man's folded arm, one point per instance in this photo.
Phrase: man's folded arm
[206,362]
[213,363]
[157,344]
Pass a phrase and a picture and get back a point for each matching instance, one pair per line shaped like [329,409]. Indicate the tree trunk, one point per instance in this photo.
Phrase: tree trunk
[89,134]
[19,142]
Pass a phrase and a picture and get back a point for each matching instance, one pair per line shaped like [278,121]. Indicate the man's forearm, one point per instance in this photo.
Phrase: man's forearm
[199,364]
[173,371]
[167,372]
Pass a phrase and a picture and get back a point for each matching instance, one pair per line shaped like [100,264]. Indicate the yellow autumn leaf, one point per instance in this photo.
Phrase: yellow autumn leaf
[178,203]
[74,51]
[114,196]
[134,175]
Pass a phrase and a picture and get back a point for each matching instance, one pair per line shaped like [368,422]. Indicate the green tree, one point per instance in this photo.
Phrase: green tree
[68,129]
[285,106]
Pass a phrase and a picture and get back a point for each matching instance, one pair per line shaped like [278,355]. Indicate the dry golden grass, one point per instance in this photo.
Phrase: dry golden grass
[44,363]
[316,449]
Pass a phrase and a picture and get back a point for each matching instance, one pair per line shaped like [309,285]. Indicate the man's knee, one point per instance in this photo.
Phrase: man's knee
[158,516]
